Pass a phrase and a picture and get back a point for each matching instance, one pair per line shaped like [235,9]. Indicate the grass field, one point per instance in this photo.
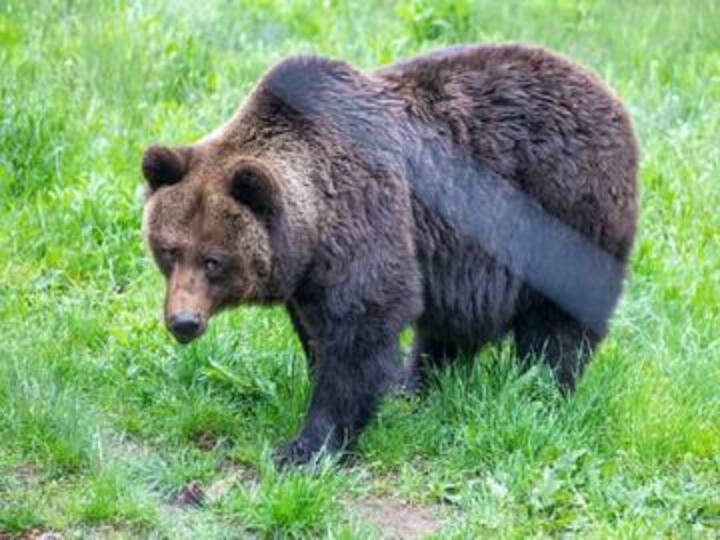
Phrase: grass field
[105,421]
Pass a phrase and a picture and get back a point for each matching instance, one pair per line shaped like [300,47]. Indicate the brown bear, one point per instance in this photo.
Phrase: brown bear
[475,192]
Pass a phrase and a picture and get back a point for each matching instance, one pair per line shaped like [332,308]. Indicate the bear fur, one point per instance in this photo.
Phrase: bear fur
[473,192]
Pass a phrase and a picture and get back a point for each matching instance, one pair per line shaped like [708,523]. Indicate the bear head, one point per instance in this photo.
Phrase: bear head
[211,222]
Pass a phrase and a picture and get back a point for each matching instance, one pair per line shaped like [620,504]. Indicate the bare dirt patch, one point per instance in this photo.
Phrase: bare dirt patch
[396,519]
[194,494]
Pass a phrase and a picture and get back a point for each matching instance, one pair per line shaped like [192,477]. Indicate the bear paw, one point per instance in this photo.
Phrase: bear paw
[305,450]
[299,451]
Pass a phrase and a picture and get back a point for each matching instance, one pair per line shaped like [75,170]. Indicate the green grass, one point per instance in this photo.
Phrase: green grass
[104,420]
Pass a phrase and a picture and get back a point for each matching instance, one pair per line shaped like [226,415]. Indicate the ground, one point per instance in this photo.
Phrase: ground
[110,430]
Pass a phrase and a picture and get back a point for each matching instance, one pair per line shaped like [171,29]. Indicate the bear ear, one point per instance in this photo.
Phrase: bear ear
[253,185]
[164,166]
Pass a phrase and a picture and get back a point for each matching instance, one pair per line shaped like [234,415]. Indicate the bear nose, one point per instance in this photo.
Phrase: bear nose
[185,326]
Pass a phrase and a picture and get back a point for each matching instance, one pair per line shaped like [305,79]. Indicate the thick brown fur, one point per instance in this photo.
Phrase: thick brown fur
[471,192]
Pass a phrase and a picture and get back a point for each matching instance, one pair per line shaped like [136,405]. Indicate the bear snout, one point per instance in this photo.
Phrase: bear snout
[185,326]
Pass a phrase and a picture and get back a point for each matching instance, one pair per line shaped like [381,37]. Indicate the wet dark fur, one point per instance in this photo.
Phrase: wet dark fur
[418,177]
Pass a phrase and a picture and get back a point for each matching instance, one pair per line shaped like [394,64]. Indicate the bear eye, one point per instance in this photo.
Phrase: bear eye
[212,265]
[168,255]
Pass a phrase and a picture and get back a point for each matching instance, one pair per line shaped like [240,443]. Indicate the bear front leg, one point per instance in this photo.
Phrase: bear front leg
[357,361]
[303,336]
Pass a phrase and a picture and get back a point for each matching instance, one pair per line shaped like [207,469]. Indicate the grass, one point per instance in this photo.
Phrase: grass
[104,421]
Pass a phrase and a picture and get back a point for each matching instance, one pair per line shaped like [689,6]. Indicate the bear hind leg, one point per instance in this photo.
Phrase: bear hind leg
[428,353]
[562,342]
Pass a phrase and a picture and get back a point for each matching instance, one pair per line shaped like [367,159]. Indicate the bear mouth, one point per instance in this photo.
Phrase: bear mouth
[184,340]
